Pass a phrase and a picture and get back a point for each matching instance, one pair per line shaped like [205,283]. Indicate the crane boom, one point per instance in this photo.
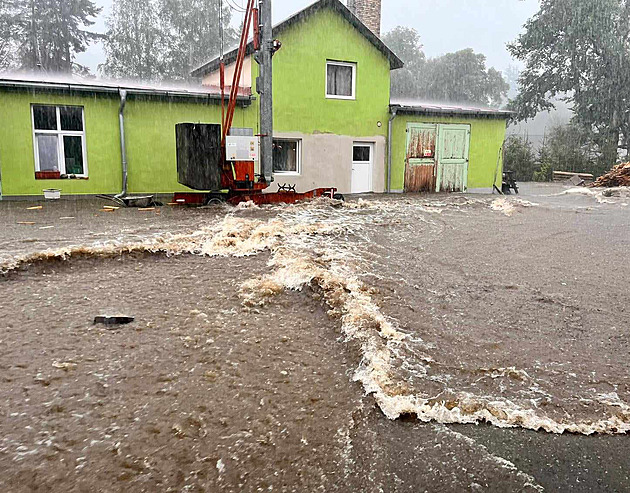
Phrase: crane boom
[203,160]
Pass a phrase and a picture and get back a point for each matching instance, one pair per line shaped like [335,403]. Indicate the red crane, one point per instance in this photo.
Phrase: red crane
[239,181]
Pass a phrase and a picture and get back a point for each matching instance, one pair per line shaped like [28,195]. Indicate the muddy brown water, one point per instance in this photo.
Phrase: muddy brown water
[204,392]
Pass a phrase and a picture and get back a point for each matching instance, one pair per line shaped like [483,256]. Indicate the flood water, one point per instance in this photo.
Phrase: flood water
[447,309]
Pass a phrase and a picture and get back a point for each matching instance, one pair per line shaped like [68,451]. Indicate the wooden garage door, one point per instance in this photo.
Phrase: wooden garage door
[453,149]
[420,162]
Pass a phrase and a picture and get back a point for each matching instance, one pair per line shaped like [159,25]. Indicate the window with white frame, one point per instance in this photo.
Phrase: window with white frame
[59,139]
[287,156]
[341,80]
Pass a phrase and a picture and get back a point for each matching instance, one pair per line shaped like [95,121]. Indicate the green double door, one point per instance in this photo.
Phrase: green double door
[437,157]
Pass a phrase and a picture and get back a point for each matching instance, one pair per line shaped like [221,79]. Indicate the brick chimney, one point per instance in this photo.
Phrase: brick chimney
[368,12]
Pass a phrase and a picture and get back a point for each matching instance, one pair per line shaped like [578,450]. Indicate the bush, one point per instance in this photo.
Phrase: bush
[545,173]
[519,156]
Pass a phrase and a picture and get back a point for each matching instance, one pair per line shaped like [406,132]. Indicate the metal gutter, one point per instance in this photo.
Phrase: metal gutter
[63,86]
[445,111]
[123,147]
[393,112]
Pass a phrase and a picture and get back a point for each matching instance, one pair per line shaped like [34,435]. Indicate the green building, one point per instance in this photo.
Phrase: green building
[332,122]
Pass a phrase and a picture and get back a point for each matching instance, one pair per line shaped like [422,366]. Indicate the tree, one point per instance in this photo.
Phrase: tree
[134,44]
[45,34]
[8,43]
[405,42]
[462,77]
[579,50]
[162,39]
[519,156]
[193,33]
[455,77]
[512,74]
[570,148]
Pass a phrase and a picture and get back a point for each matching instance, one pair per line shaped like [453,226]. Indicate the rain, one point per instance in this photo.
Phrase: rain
[314,245]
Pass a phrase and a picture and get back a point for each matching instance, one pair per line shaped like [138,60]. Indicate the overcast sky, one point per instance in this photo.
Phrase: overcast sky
[444,25]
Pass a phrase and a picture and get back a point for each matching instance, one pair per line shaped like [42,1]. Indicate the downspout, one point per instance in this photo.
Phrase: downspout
[389,149]
[123,148]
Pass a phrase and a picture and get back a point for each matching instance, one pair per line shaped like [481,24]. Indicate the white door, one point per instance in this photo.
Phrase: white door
[362,161]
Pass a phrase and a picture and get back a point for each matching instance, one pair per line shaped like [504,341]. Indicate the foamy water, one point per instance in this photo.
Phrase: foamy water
[332,249]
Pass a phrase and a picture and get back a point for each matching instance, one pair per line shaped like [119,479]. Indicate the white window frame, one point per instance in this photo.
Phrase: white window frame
[61,161]
[354,79]
[298,150]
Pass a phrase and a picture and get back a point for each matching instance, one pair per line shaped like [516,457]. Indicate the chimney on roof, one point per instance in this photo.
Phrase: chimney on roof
[368,12]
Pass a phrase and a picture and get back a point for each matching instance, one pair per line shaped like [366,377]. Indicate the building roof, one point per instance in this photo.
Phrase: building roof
[446,109]
[69,83]
[336,5]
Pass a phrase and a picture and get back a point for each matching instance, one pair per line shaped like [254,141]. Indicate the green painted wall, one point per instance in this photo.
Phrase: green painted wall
[300,102]
[300,106]
[150,136]
[486,138]
[149,131]
[17,159]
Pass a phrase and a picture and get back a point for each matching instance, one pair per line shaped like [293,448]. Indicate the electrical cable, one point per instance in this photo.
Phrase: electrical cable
[235,7]
[239,5]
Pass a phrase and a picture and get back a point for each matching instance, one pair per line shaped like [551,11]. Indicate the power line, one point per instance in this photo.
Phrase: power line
[235,6]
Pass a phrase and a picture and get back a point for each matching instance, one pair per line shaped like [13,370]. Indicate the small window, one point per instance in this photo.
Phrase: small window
[286,156]
[59,141]
[361,154]
[341,80]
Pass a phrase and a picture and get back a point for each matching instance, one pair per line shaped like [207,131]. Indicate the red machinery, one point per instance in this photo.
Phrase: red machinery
[234,176]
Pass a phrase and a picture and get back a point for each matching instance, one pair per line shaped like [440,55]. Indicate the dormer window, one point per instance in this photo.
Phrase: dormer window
[341,80]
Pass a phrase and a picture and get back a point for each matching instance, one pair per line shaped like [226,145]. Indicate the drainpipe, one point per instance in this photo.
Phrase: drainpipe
[123,148]
[389,149]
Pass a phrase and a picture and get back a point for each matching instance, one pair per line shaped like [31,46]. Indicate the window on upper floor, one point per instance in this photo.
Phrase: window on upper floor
[59,141]
[341,80]
[287,156]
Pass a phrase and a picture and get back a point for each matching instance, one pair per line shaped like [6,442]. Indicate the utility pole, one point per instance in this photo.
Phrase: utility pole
[264,88]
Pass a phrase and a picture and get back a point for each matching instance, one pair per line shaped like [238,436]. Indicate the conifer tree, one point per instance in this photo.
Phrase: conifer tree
[46,34]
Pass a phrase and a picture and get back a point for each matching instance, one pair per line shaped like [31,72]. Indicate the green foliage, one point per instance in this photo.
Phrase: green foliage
[192,34]
[545,169]
[45,34]
[135,44]
[544,173]
[405,42]
[462,77]
[519,156]
[570,148]
[163,39]
[579,50]
[566,148]
[456,77]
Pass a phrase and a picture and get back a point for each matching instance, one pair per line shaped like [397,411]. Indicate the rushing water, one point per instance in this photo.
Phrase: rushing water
[350,253]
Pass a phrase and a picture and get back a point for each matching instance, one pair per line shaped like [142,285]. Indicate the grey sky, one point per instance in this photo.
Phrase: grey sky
[444,25]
